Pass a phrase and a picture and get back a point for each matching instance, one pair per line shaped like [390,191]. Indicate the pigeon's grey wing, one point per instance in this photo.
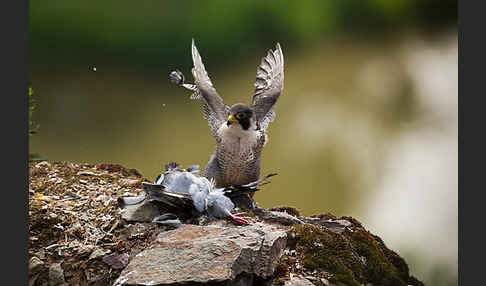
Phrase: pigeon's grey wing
[153,190]
[158,193]
[177,200]
[215,110]
[160,178]
[268,86]
[199,200]
[181,183]
[185,199]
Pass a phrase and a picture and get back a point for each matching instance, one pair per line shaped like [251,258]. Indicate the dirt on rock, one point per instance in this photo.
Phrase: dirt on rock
[77,235]
[75,220]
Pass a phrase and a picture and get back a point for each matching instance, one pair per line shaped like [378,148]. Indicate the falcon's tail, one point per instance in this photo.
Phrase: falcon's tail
[238,190]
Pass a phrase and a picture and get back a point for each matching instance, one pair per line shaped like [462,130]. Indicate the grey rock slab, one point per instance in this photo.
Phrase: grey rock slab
[277,217]
[116,261]
[35,265]
[56,274]
[145,211]
[33,279]
[337,226]
[98,253]
[298,281]
[327,283]
[206,254]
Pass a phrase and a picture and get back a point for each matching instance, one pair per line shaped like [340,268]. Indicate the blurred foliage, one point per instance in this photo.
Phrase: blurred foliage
[33,127]
[152,33]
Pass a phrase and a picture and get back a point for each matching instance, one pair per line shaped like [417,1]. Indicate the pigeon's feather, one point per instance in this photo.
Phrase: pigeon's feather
[186,190]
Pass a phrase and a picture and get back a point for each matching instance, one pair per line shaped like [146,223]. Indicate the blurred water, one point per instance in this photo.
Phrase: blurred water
[367,129]
[420,183]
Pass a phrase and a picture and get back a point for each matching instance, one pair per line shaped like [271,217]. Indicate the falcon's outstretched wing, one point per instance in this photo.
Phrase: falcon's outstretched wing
[269,86]
[215,110]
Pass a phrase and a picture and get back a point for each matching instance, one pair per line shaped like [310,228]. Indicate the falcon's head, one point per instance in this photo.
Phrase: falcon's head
[241,114]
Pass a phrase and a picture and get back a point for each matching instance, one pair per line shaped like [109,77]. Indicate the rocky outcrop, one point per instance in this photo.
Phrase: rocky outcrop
[207,255]
[298,281]
[80,234]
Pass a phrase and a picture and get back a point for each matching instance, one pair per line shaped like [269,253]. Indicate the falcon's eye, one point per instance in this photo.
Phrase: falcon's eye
[240,115]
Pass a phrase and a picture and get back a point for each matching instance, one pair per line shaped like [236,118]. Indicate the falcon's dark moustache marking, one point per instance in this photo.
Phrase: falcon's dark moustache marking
[245,123]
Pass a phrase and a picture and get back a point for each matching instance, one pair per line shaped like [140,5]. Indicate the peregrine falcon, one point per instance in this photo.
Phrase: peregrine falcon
[239,130]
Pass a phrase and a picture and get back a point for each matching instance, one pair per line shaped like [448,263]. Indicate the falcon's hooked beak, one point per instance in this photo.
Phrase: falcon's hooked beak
[231,119]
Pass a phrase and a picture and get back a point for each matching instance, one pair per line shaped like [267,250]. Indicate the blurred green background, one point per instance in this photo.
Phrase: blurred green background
[366,126]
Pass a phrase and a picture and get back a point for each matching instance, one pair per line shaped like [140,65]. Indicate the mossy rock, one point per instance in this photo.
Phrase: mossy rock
[354,257]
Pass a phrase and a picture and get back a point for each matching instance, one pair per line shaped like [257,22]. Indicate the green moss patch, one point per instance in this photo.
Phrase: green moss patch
[323,250]
[351,258]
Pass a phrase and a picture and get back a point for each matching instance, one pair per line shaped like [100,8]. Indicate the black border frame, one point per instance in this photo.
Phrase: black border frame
[14,210]
[15,83]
